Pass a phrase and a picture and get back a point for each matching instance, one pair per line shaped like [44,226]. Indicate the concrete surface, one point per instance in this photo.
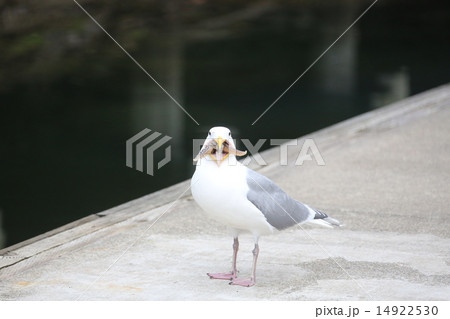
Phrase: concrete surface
[386,177]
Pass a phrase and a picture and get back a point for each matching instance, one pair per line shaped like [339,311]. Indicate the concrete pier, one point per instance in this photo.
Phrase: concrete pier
[386,177]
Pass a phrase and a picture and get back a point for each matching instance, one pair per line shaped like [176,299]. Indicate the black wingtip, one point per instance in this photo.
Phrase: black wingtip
[319,214]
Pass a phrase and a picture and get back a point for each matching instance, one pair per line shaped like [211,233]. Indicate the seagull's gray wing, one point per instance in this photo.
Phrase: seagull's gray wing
[280,210]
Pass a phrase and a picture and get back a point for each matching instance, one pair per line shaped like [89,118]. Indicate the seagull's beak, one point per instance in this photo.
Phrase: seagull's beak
[219,142]
[219,155]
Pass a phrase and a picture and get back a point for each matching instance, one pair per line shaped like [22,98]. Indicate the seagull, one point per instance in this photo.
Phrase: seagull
[244,200]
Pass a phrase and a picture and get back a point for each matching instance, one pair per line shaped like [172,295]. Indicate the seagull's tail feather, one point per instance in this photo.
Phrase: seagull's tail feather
[324,220]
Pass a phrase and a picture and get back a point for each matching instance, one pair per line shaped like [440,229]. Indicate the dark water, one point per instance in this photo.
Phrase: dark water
[70,98]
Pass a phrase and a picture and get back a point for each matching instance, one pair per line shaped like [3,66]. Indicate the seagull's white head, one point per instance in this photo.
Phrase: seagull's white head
[219,145]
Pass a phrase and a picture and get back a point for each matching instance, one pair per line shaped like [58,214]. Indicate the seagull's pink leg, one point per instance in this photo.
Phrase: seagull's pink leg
[232,274]
[248,282]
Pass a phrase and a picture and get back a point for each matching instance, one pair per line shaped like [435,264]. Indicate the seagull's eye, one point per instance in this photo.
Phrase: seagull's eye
[229,133]
[209,133]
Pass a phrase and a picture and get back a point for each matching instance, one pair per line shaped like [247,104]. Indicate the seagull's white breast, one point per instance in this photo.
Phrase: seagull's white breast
[222,193]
